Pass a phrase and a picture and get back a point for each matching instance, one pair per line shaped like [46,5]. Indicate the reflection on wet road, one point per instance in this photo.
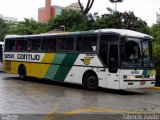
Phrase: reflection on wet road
[39,96]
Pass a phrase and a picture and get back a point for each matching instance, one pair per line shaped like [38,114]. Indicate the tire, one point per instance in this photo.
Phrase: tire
[22,72]
[91,81]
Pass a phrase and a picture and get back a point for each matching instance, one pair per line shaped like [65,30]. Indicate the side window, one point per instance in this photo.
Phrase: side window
[20,44]
[48,44]
[65,43]
[70,43]
[34,44]
[61,43]
[86,43]
[9,45]
[29,44]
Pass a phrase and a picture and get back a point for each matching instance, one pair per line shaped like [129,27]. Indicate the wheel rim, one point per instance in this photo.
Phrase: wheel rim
[92,81]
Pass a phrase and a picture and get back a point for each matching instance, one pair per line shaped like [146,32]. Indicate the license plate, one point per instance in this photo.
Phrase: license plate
[142,82]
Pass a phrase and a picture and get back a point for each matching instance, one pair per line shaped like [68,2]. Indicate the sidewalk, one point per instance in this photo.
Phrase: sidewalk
[154,88]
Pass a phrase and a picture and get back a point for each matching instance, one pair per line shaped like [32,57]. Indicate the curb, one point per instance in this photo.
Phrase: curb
[153,88]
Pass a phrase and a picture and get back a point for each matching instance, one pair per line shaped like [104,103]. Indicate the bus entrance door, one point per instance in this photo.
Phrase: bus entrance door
[113,64]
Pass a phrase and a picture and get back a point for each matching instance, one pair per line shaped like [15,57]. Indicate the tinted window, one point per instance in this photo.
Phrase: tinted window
[66,43]
[34,44]
[9,45]
[17,44]
[48,44]
[113,58]
[86,43]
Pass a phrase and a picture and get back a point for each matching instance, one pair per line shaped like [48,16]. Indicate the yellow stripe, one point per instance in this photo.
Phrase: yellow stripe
[153,88]
[99,110]
[39,70]
[48,57]
[50,115]
[34,69]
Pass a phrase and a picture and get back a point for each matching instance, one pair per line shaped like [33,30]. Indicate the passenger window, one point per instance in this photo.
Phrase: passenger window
[66,44]
[49,44]
[36,44]
[61,43]
[70,43]
[17,44]
[86,43]
[9,45]
[20,45]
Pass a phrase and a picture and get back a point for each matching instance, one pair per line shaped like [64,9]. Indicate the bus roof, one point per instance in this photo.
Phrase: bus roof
[125,32]
[122,32]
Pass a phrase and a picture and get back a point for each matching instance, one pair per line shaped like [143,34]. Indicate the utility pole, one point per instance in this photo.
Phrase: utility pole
[115,1]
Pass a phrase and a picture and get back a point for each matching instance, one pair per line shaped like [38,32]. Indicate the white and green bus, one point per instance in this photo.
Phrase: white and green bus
[108,58]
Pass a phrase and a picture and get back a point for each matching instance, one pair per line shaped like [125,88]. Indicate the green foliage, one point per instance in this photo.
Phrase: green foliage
[75,21]
[26,27]
[3,29]
[126,20]
[156,42]
[71,19]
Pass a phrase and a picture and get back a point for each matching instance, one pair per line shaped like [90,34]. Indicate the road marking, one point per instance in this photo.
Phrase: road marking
[153,88]
[99,110]
[50,115]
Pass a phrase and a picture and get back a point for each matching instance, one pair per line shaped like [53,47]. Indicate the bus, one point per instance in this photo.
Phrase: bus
[107,58]
[1,54]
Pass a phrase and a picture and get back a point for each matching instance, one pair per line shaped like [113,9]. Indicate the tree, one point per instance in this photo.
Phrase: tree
[158,16]
[28,27]
[121,20]
[156,43]
[71,19]
[88,7]
[3,29]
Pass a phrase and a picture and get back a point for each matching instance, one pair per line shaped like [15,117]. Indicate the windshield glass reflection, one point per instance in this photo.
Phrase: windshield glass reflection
[135,50]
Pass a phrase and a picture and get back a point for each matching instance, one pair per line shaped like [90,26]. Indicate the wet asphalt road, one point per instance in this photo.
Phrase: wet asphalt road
[43,97]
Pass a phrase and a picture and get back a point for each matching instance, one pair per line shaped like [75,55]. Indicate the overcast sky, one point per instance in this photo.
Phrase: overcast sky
[145,9]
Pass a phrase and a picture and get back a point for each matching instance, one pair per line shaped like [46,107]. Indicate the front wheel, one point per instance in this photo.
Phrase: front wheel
[22,72]
[91,81]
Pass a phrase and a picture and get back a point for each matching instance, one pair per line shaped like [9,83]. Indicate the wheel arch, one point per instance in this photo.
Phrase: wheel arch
[21,65]
[86,72]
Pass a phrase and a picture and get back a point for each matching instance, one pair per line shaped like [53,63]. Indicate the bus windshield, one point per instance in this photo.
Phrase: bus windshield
[136,51]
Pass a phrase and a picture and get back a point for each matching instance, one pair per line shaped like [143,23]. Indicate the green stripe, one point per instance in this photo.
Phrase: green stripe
[54,68]
[51,72]
[63,69]
[59,58]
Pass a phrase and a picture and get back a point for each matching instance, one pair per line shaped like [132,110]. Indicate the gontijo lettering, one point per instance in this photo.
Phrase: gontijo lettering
[28,57]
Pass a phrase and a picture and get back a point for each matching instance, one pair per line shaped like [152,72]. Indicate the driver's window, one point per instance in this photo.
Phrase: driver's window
[132,51]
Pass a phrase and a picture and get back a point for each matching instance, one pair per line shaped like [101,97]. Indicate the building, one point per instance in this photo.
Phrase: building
[48,12]
[74,6]
[8,19]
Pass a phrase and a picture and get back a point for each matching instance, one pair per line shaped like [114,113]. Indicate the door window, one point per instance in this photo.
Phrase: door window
[113,58]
